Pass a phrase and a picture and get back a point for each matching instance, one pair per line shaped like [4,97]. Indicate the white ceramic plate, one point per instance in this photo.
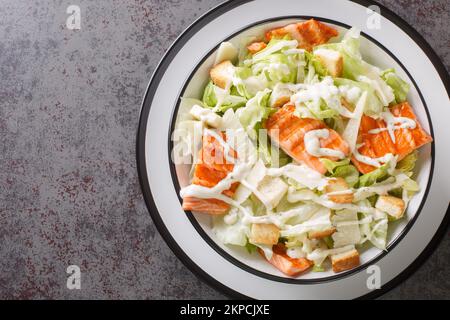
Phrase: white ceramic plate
[184,71]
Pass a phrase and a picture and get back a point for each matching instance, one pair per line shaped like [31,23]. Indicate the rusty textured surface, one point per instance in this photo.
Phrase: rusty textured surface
[69,107]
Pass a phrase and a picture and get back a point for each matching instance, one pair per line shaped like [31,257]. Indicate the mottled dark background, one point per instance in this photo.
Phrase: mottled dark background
[69,109]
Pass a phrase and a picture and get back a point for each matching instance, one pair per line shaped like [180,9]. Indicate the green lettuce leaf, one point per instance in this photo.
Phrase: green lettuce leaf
[408,163]
[398,85]
[342,169]
[229,102]
[255,111]
[373,104]
[376,175]
[355,68]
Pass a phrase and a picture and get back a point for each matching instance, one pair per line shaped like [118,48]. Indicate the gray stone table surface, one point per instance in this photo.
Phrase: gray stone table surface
[69,108]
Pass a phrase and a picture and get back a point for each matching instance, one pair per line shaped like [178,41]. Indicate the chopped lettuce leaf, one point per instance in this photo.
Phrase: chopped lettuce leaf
[331,165]
[356,69]
[209,96]
[398,85]
[342,169]
[408,163]
[374,229]
[349,173]
[276,68]
[274,46]
[376,175]
[251,248]
[350,134]
[235,234]
[255,111]
[329,242]
[229,101]
[318,269]
[314,62]
[373,104]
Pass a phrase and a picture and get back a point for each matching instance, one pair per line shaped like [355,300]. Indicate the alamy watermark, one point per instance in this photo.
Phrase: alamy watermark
[374,17]
[74,279]
[73,21]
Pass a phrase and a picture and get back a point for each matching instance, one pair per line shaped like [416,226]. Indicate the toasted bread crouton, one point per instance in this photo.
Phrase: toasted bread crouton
[345,261]
[322,233]
[331,60]
[338,191]
[272,189]
[256,47]
[391,205]
[222,73]
[347,228]
[264,234]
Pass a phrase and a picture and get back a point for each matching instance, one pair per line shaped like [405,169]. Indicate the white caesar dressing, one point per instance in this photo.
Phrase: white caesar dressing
[381,188]
[206,116]
[302,174]
[391,121]
[316,92]
[308,195]
[312,144]
[375,162]
[350,93]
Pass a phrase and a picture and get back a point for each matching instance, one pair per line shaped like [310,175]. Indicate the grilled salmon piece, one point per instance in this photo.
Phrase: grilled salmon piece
[379,144]
[308,33]
[209,171]
[288,131]
[289,266]
[256,47]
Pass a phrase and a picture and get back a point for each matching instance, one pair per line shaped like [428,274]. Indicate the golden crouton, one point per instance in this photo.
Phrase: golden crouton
[264,234]
[331,60]
[391,205]
[321,234]
[345,261]
[222,73]
[338,191]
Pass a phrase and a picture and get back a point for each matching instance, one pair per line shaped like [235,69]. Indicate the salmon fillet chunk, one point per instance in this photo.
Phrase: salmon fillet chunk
[288,131]
[289,266]
[209,171]
[376,145]
[308,33]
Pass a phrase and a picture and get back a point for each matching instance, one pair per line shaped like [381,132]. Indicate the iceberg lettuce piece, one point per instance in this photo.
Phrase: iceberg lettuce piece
[246,84]
[255,110]
[376,175]
[342,169]
[398,85]
[314,62]
[408,163]
[349,173]
[331,165]
[274,46]
[374,228]
[356,69]
[276,68]
[374,106]
[234,234]
[220,99]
